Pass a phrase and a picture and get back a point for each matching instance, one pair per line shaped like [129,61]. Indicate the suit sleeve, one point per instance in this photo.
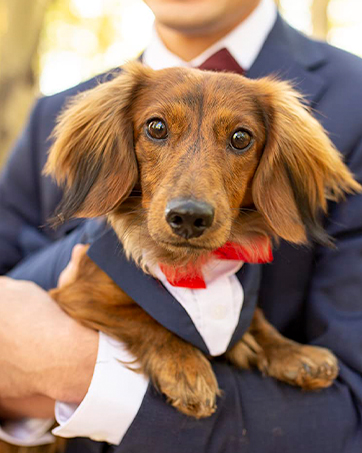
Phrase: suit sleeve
[115,390]
[334,306]
[20,206]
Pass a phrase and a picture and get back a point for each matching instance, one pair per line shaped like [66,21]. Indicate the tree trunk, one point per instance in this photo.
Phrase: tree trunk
[20,26]
[320,23]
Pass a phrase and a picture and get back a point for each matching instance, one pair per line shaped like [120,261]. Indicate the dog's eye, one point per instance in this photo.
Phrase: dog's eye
[157,129]
[240,140]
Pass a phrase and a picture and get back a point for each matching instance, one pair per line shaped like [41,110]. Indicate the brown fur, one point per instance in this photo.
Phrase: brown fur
[278,188]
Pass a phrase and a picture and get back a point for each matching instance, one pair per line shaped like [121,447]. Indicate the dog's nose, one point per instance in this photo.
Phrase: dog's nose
[189,218]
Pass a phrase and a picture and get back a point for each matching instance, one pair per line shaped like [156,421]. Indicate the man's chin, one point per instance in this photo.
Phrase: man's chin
[189,17]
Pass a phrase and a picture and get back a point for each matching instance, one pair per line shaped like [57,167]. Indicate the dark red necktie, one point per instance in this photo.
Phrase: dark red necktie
[220,61]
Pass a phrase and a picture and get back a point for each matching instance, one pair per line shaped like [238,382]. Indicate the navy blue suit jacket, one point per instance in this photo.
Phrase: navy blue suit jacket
[310,294]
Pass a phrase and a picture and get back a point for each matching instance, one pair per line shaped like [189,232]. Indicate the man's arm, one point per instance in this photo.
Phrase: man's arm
[52,355]
[115,389]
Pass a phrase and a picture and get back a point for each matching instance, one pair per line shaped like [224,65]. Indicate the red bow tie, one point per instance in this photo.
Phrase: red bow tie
[258,253]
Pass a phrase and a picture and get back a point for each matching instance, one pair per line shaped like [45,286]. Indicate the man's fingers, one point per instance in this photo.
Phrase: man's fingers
[8,284]
[70,272]
[78,251]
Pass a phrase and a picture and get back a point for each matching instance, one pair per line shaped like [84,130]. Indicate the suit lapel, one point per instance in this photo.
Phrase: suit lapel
[289,55]
[250,277]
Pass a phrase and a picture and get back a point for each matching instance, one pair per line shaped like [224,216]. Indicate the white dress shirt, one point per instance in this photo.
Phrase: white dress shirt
[116,392]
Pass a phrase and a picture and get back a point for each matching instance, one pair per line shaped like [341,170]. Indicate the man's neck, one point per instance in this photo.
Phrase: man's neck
[187,46]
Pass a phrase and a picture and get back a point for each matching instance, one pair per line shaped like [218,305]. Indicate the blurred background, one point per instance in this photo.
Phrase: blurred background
[47,46]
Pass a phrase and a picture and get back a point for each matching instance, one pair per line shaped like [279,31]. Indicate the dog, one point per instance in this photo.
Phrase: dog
[130,150]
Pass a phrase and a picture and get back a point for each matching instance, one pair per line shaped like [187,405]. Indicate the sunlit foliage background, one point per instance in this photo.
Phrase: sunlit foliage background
[337,21]
[85,37]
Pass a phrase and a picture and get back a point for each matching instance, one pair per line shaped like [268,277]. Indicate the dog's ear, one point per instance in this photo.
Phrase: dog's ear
[93,154]
[300,169]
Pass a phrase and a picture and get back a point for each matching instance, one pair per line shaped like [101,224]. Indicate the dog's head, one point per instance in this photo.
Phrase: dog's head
[182,161]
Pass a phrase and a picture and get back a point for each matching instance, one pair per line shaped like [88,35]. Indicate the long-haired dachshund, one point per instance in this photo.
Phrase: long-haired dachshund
[181,162]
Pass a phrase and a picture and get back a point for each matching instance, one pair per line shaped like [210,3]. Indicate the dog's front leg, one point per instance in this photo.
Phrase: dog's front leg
[309,367]
[182,373]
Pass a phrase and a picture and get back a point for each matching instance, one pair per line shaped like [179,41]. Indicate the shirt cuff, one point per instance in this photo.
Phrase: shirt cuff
[112,401]
[27,432]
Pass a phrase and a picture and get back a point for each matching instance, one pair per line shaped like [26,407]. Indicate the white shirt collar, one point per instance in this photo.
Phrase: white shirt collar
[244,42]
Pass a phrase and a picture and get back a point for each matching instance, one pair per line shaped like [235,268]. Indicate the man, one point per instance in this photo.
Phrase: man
[311,295]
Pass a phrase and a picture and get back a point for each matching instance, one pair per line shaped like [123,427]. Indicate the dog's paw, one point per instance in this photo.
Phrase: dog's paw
[309,367]
[190,385]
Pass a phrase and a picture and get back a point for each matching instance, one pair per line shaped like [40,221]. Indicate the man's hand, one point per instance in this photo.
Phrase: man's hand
[42,350]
